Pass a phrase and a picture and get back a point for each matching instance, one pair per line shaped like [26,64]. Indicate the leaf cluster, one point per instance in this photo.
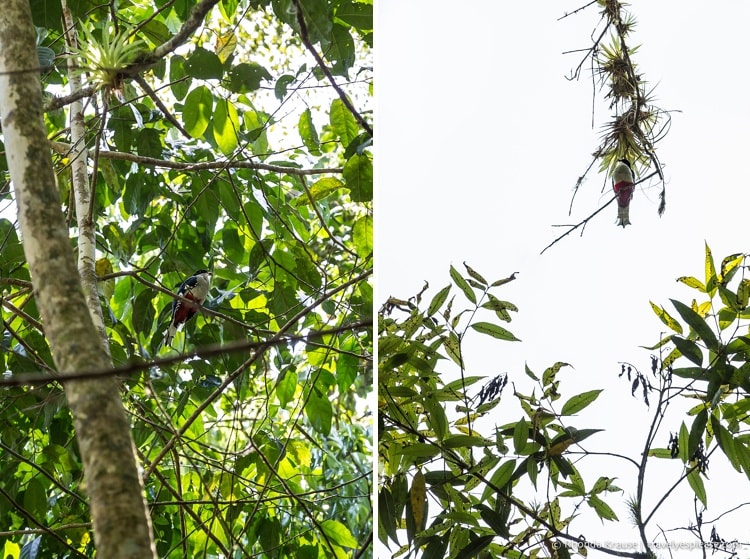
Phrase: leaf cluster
[434,448]
[248,164]
[711,339]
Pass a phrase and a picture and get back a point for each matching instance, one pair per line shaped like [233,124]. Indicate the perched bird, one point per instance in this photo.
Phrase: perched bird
[195,288]
[623,184]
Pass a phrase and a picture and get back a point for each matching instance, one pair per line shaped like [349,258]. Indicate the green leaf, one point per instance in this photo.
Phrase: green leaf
[550,373]
[339,534]
[343,124]
[307,132]
[286,387]
[356,14]
[495,331]
[579,401]
[603,510]
[341,50]
[35,498]
[179,86]
[504,280]
[12,250]
[282,83]
[453,348]
[203,65]
[696,322]
[726,442]
[501,308]
[660,453]
[743,293]
[226,125]
[743,455]
[322,188]
[689,349]
[319,412]
[148,143]
[387,514]
[358,176]
[499,478]
[465,441]
[474,274]
[683,441]
[144,313]
[664,316]
[696,483]
[689,372]
[317,19]
[463,285]
[362,236]
[197,111]
[475,547]
[520,436]
[438,300]
[246,77]
[436,417]
[227,9]
[495,520]
[696,431]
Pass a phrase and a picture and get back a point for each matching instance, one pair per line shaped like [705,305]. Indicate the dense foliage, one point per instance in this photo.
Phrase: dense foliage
[239,142]
[471,468]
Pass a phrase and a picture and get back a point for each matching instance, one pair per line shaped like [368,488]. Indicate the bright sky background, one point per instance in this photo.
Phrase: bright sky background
[480,141]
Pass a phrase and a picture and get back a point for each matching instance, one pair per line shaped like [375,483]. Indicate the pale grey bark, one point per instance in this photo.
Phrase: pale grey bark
[79,160]
[122,528]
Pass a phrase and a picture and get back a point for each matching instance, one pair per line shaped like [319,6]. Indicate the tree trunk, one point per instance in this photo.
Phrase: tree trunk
[120,518]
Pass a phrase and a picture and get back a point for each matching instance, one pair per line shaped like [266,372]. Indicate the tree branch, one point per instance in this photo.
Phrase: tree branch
[64,148]
[321,63]
[36,379]
[589,218]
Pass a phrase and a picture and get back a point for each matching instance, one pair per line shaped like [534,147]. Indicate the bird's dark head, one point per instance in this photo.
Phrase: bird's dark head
[199,272]
[626,161]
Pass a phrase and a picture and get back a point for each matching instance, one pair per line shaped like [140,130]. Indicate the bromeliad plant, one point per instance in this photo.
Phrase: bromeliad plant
[104,60]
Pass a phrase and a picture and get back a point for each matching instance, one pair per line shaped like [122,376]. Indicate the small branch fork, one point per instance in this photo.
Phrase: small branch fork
[321,63]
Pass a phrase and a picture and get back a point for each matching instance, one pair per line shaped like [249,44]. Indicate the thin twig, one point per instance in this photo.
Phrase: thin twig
[64,148]
[162,107]
[586,220]
[205,351]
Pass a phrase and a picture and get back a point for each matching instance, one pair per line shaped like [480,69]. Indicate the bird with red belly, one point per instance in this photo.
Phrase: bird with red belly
[195,289]
[623,184]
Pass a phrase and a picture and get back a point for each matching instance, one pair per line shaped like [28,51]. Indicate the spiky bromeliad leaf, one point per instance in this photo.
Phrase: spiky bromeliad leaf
[105,59]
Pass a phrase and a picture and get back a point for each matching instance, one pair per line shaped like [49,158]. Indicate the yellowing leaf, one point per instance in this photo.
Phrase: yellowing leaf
[103,267]
[665,317]
[106,288]
[225,45]
[226,126]
[417,497]
[320,189]
[339,534]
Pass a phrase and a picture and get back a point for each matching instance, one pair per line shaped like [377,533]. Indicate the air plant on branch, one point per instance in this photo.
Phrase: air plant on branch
[636,125]
[104,60]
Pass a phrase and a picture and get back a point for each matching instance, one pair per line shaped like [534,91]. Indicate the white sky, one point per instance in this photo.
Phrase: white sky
[480,141]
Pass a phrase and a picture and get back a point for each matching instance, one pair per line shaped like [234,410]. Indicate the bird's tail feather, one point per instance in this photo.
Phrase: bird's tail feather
[169,334]
[623,215]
